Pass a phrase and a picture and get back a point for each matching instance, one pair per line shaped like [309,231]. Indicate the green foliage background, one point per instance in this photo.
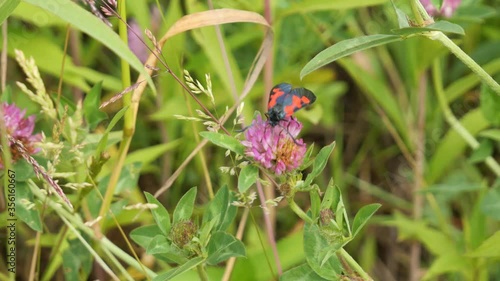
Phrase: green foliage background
[415,130]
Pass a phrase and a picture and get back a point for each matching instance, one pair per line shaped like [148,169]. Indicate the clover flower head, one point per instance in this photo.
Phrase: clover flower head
[19,129]
[275,148]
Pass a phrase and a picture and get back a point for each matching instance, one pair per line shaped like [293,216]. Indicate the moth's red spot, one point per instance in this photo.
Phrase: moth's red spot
[305,100]
[296,105]
[296,101]
[277,92]
[289,110]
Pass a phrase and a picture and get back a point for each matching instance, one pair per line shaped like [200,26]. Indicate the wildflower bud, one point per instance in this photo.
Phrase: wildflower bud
[285,189]
[182,233]
[325,216]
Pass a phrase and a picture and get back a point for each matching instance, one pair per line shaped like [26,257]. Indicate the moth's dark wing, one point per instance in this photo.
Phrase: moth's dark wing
[302,97]
[303,92]
[278,94]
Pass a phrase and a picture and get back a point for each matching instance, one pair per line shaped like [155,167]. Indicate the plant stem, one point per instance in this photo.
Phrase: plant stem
[202,273]
[299,211]
[77,222]
[417,8]
[452,120]
[129,119]
[461,55]
[354,265]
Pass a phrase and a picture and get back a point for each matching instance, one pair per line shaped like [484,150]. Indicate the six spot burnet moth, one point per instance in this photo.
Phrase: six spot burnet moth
[284,101]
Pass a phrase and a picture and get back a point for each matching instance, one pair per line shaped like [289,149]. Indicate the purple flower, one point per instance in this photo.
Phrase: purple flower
[19,129]
[447,10]
[275,148]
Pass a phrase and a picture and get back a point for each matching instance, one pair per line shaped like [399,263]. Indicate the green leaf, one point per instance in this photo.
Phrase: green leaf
[315,203]
[76,260]
[301,273]
[467,83]
[222,246]
[307,158]
[310,6]
[220,208]
[452,145]
[493,134]
[151,153]
[24,170]
[95,28]
[160,214]
[101,146]
[192,263]
[6,95]
[116,118]
[143,235]
[337,198]
[224,141]
[31,216]
[159,244]
[449,264]
[345,48]
[49,57]
[443,26]
[319,163]
[6,8]
[91,104]
[490,204]
[435,241]
[475,13]
[362,217]
[161,248]
[490,248]
[490,105]
[184,208]
[341,217]
[401,15]
[206,230]
[26,11]
[318,253]
[453,188]
[329,196]
[248,176]
[129,177]
[484,150]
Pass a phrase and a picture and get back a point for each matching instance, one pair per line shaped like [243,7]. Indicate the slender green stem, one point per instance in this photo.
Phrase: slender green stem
[98,259]
[417,8]
[299,211]
[452,120]
[354,265]
[202,273]
[129,118]
[461,55]
[77,222]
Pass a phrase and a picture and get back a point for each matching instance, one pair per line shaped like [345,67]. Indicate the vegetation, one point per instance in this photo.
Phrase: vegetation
[135,144]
